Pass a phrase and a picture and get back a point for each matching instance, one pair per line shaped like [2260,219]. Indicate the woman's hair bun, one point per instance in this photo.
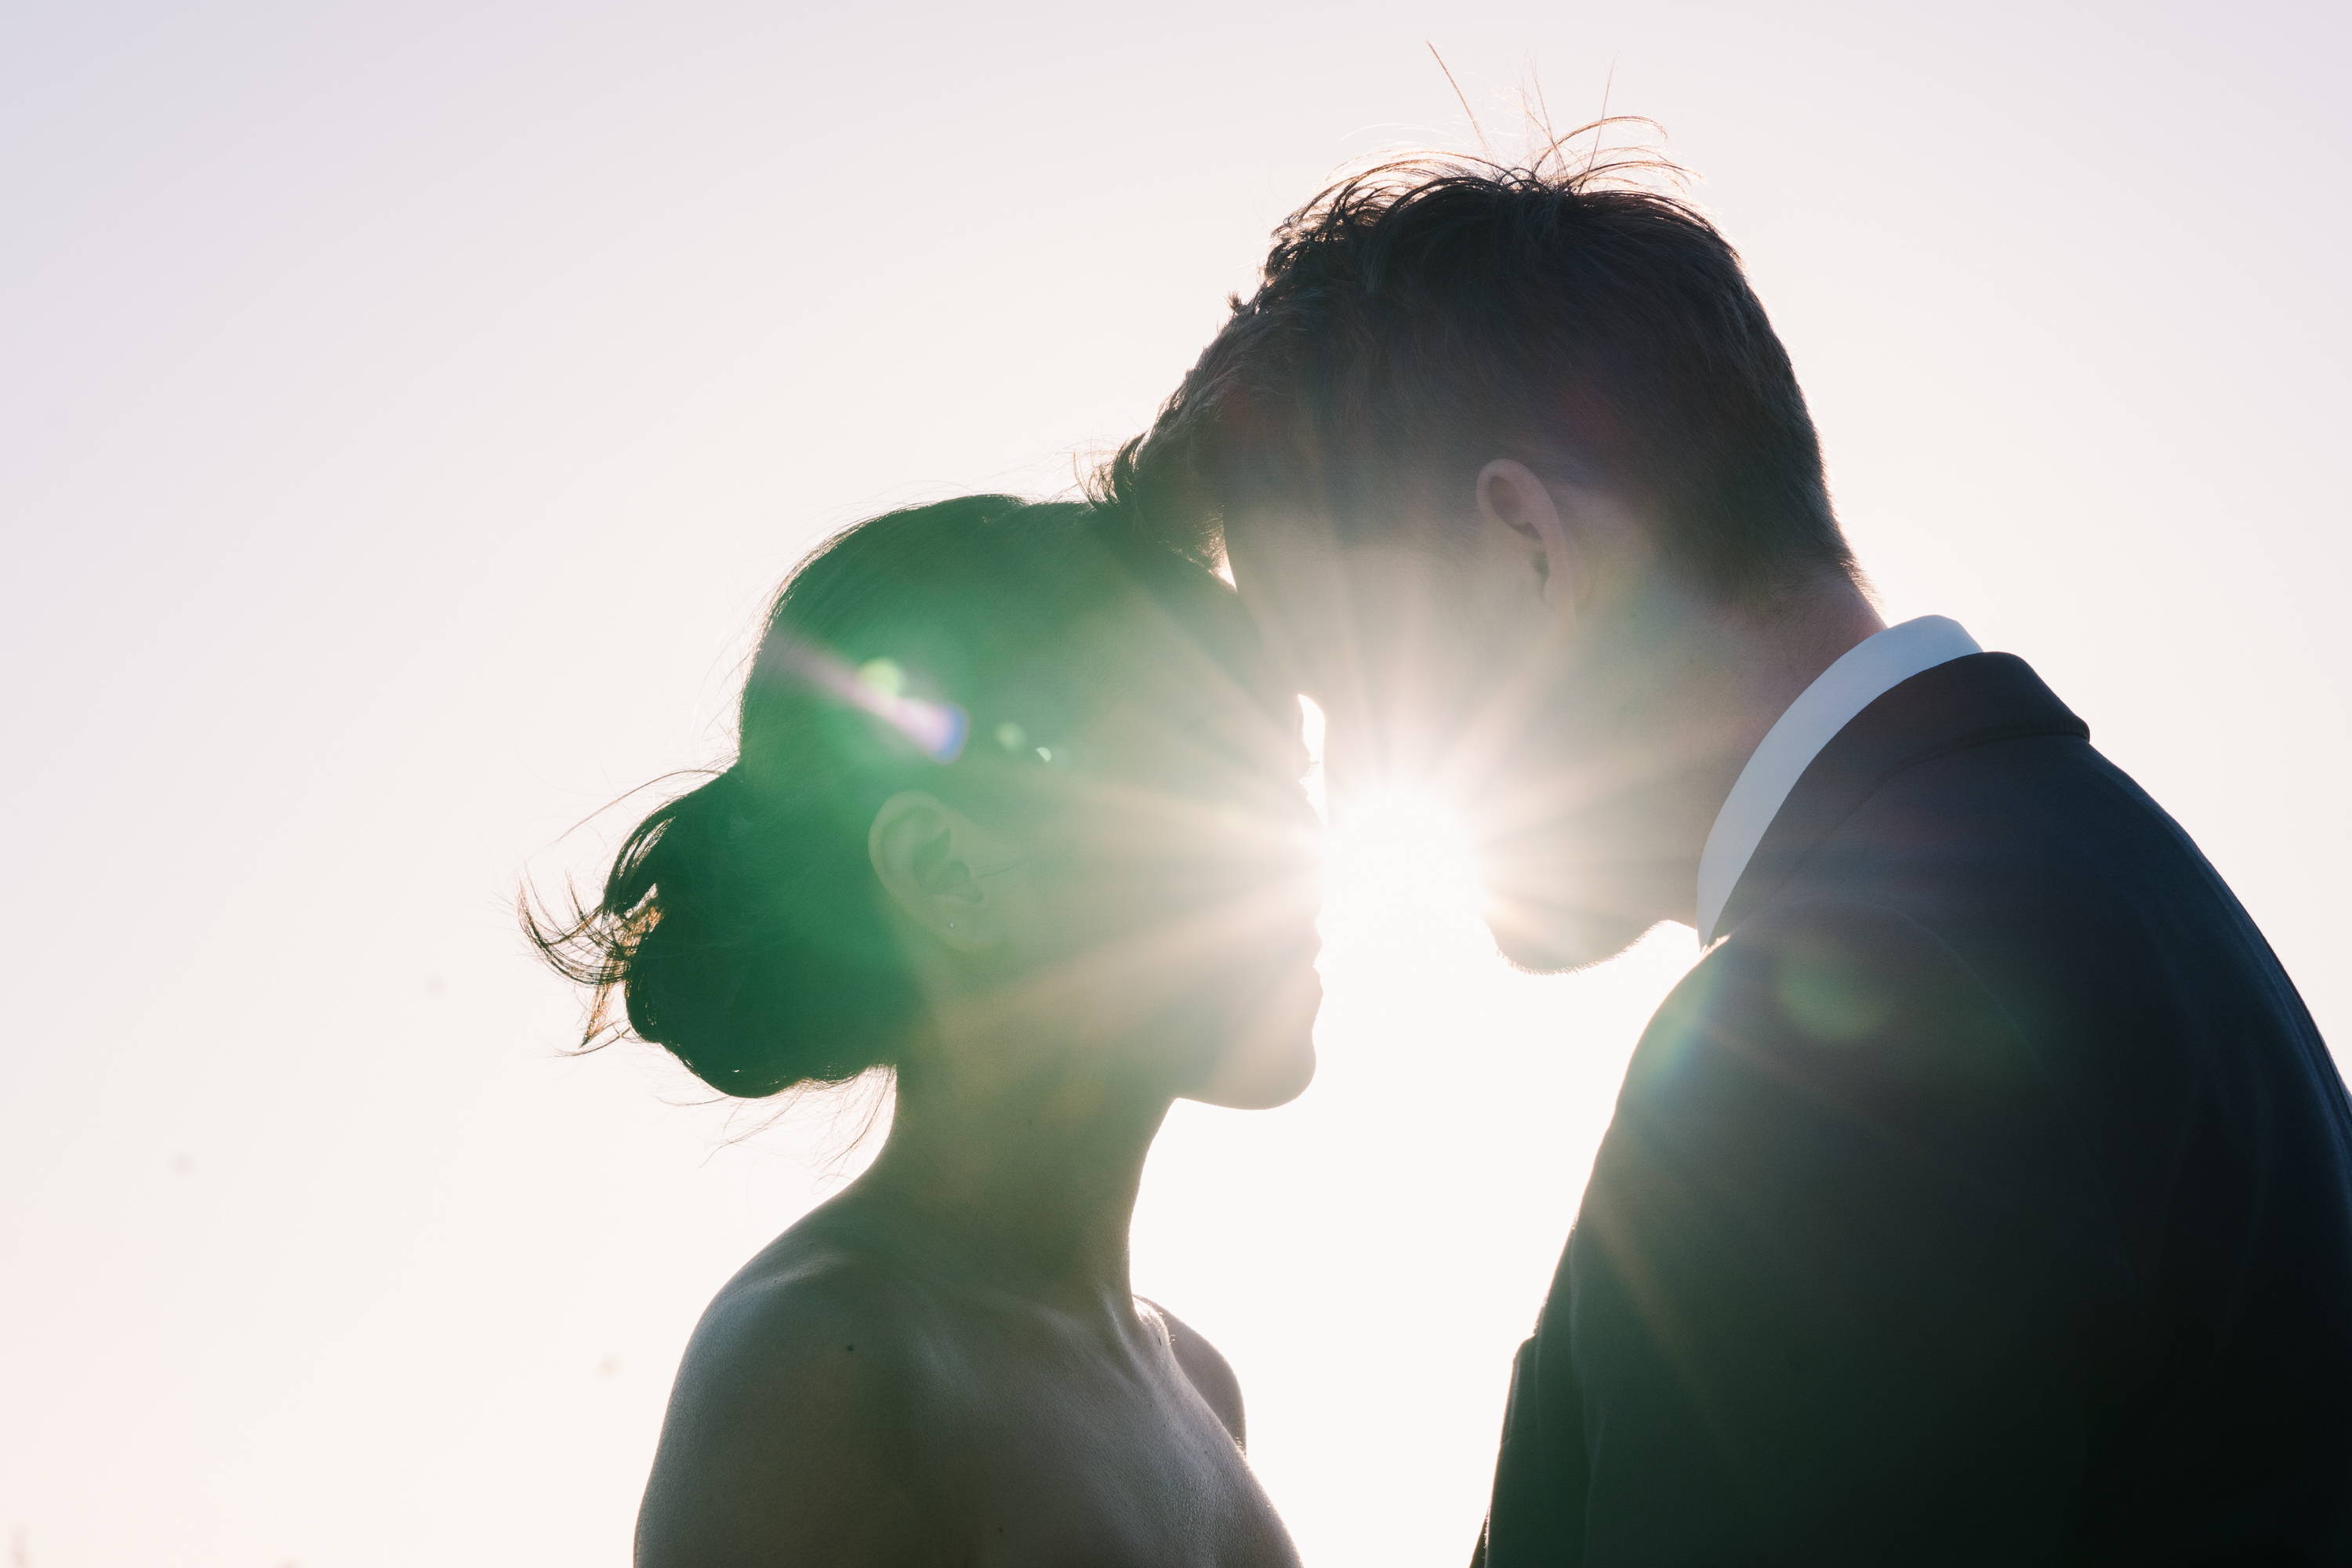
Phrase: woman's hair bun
[727,941]
[740,925]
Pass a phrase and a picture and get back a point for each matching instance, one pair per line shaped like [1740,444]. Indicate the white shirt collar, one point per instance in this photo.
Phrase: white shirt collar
[1867,672]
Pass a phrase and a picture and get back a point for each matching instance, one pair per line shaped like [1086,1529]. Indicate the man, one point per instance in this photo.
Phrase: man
[1984,1194]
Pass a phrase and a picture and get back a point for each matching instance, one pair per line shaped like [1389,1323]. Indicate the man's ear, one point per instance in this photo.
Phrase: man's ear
[1511,494]
[937,865]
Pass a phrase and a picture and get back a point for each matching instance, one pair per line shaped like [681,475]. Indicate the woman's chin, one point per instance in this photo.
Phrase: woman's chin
[1265,1080]
[1271,1060]
[1263,1042]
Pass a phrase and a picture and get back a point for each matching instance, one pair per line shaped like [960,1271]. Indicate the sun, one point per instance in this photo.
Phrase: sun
[1397,864]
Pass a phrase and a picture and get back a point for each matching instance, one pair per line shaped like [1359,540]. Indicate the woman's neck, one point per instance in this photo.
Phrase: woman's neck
[1025,1181]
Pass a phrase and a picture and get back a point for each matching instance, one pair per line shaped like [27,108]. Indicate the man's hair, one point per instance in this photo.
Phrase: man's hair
[1422,318]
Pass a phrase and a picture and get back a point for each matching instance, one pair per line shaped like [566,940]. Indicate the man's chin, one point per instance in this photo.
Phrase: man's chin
[1557,942]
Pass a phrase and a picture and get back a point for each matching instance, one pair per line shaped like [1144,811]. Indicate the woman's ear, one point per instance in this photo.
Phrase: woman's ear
[939,866]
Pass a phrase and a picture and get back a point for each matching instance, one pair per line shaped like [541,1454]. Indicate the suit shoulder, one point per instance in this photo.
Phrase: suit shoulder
[2042,821]
[1828,969]
[1841,1055]
[1835,1007]
[2078,903]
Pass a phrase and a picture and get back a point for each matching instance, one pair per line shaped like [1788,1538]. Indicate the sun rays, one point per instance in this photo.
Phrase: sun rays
[1397,867]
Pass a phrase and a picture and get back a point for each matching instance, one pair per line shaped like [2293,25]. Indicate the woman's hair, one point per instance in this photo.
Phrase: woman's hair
[938,648]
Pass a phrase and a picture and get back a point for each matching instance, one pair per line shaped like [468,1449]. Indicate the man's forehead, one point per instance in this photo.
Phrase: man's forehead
[1318,599]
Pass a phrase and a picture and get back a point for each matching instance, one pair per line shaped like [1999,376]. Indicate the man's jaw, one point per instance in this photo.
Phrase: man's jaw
[1554,938]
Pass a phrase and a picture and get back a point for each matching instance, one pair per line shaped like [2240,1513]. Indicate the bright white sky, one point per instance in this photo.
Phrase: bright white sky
[409,407]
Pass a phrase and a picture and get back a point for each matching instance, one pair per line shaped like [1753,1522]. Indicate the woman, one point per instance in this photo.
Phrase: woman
[1016,815]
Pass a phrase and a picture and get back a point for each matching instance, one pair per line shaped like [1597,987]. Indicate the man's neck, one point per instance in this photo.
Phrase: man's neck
[1736,675]
[1767,663]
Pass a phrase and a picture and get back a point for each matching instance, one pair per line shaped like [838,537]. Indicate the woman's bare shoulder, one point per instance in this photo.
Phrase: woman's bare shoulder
[802,1291]
[1206,1367]
[795,1418]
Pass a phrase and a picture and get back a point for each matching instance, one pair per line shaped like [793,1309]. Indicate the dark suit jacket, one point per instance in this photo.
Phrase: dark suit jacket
[1984,1196]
